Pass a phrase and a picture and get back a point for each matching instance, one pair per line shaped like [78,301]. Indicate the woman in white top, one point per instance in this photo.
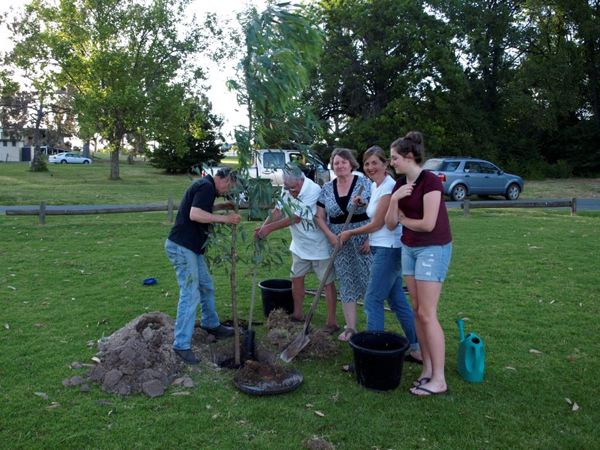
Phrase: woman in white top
[386,275]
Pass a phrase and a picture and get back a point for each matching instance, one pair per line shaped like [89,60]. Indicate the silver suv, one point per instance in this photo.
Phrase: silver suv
[469,176]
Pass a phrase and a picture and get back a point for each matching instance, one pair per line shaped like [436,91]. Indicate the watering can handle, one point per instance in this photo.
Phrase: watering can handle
[461,329]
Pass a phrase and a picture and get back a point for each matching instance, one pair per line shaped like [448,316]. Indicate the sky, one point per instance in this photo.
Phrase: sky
[224,102]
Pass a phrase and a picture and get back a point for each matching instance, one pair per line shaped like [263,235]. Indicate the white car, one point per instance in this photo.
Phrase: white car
[69,158]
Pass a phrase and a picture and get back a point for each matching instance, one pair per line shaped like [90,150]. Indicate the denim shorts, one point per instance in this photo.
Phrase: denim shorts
[428,263]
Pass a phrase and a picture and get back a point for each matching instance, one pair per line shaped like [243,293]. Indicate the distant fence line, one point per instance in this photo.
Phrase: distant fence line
[467,205]
[42,211]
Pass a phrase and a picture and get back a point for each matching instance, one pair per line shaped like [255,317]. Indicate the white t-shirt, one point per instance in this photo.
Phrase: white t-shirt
[308,241]
[383,237]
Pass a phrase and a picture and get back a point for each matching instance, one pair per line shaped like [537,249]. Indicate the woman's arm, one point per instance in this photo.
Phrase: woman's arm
[376,223]
[393,213]
[321,219]
[431,208]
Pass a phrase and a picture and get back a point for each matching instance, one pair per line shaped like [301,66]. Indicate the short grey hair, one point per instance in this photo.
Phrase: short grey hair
[292,173]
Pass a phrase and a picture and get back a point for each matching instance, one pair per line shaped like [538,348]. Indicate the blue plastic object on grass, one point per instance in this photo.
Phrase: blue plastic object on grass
[149,281]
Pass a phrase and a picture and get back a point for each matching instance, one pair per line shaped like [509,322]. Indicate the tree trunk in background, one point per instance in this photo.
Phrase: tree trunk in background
[36,163]
[114,162]
[86,149]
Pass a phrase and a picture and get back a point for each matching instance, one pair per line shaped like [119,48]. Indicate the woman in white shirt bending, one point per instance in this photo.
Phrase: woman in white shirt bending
[386,274]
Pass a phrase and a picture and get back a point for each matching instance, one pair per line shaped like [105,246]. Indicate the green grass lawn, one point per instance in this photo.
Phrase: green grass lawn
[524,279]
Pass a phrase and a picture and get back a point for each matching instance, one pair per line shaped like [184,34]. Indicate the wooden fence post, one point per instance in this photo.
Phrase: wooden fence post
[466,207]
[573,207]
[42,213]
[170,209]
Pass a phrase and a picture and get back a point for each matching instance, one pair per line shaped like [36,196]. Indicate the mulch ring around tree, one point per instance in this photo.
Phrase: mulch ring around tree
[139,357]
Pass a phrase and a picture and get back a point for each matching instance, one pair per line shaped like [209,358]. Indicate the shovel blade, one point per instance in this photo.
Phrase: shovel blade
[294,348]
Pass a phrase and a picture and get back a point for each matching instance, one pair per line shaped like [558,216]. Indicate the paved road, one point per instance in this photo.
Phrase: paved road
[583,204]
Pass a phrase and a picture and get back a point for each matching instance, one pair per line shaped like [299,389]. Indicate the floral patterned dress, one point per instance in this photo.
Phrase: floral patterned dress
[352,268]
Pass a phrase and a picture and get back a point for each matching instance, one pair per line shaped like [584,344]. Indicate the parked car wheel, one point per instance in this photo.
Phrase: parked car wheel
[64,161]
[86,162]
[459,192]
[513,192]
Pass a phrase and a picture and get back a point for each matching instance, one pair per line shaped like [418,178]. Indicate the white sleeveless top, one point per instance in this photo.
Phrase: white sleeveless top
[383,237]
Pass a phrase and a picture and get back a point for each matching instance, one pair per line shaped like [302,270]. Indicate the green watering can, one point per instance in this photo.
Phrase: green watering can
[471,355]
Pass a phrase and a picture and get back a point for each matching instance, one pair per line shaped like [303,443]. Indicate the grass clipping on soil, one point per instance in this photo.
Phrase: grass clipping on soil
[282,332]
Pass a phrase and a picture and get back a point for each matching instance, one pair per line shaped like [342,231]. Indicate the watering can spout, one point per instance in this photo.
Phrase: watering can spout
[461,329]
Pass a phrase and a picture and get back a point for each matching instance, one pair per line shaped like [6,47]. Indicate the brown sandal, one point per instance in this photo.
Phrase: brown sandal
[330,329]
[348,333]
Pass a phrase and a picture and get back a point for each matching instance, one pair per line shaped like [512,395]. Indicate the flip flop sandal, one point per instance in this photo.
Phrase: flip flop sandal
[411,359]
[429,393]
[293,319]
[348,333]
[330,329]
[421,381]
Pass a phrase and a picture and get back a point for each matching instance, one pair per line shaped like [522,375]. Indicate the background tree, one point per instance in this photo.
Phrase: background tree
[126,62]
[200,132]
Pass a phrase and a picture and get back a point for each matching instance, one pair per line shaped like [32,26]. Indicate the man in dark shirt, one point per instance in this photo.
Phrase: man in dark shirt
[185,248]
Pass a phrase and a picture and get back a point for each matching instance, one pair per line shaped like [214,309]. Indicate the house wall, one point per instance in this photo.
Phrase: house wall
[10,151]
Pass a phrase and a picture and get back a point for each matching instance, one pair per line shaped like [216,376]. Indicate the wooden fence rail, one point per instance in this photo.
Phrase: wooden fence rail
[467,205]
[43,210]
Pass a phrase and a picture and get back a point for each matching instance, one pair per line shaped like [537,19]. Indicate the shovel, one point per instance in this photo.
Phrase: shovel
[249,335]
[302,340]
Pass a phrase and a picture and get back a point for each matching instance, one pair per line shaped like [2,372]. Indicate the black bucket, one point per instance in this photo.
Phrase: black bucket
[276,293]
[378,359]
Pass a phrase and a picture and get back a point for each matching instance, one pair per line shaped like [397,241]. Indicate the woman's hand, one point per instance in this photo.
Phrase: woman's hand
[359,201]
[344,236]
[365,249]
[404,191]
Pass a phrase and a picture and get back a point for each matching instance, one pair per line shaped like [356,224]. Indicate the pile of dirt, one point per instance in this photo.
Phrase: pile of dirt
[282,332]
[138,357]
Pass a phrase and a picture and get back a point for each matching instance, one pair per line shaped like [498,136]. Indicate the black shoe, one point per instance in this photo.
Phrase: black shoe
[187,356]
[220,332]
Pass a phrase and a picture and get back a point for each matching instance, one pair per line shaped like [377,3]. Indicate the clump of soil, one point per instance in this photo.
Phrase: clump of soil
[265,377]
[282,332]
[316,443]
[279,318]
[138,357]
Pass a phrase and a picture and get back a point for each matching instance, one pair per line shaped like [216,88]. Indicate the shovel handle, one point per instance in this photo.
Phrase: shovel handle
[336,250]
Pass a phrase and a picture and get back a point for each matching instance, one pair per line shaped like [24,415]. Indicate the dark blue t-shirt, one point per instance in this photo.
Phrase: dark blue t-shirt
[187,233]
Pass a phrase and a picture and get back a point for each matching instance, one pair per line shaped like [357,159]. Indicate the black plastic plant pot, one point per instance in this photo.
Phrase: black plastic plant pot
[276,293]
[249,353]
[378,359]
[292,380]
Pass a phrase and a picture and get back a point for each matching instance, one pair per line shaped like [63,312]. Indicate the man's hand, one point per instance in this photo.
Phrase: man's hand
[233,219]
[260,233]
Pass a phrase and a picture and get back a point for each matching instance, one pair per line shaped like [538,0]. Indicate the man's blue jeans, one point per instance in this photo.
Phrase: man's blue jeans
[386,284]
[195,286]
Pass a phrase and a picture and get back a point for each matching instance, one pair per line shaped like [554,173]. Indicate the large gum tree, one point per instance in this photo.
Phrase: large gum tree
[128,62]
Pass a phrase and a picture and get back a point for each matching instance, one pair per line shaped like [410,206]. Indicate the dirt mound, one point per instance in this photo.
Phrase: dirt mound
[138,357]
[282,332]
